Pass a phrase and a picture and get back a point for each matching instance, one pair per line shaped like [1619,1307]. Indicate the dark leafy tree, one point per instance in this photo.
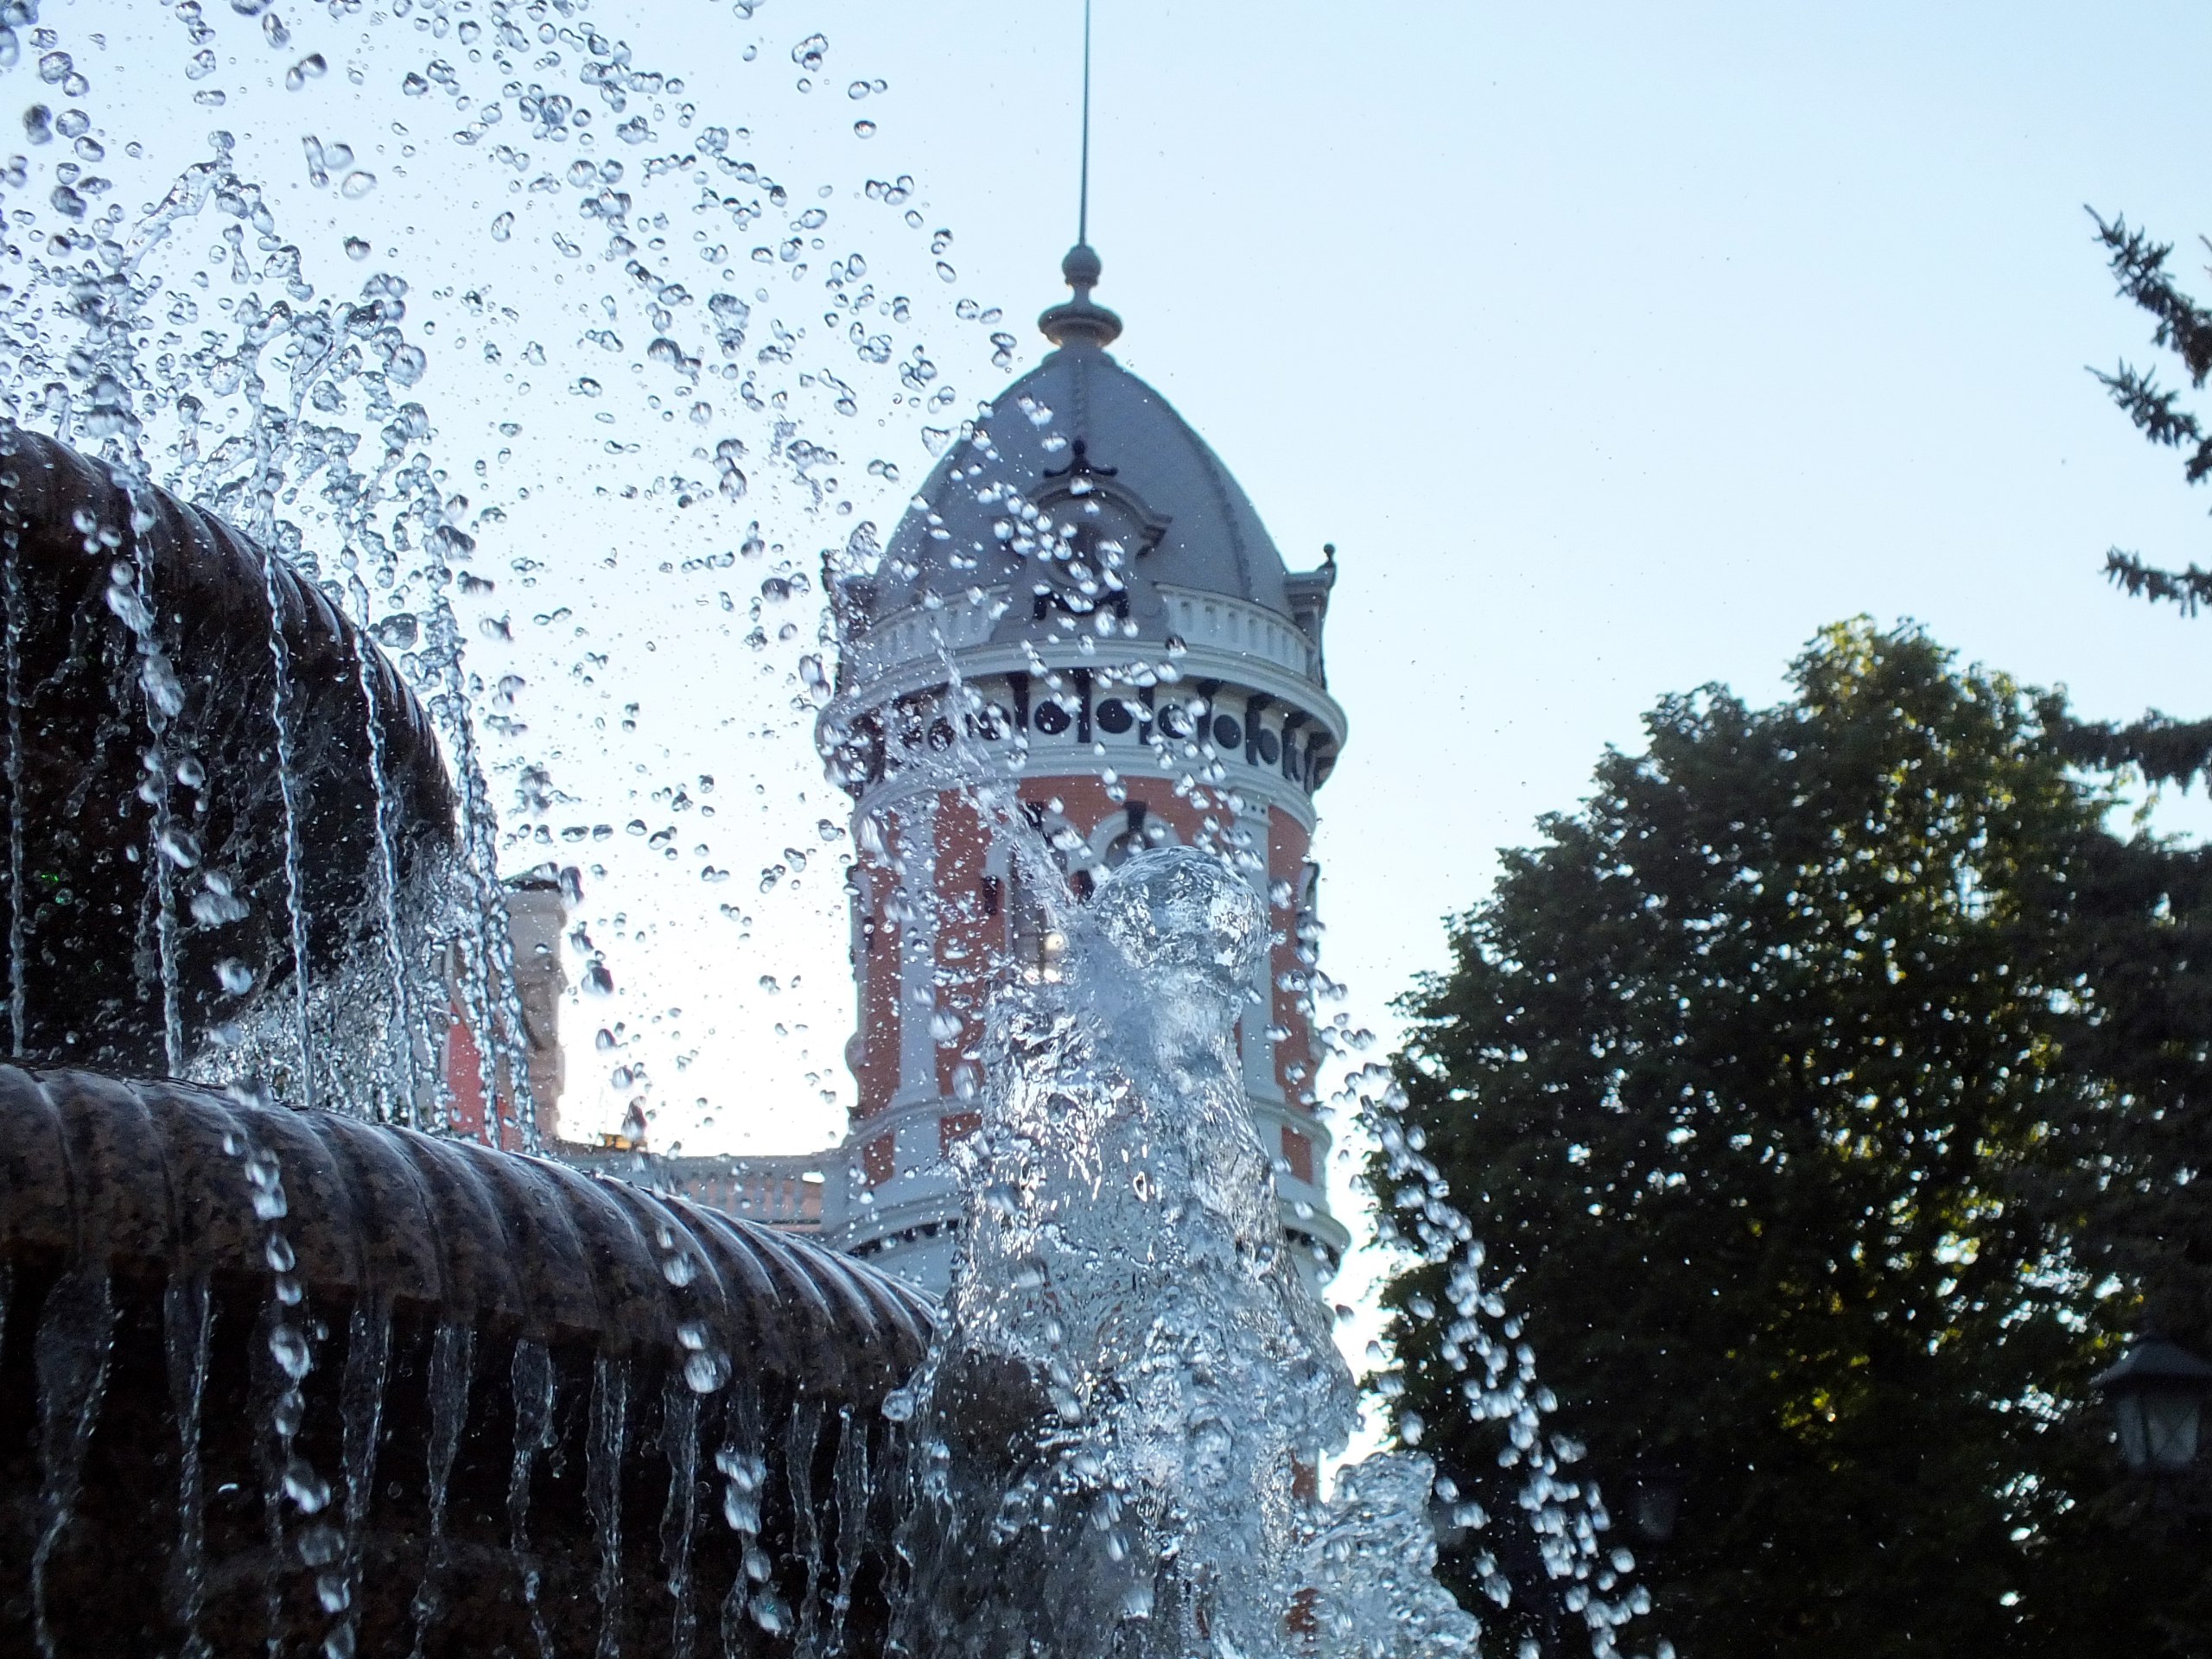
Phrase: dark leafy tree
[1826,1092]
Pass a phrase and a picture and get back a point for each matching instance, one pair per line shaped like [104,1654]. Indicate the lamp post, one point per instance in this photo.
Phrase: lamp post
[2157,1393]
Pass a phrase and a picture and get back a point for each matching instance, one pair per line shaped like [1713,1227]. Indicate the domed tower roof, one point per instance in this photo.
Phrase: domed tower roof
[1081,502]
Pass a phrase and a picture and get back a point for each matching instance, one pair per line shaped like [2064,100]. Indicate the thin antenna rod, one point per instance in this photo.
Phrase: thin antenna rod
[1083,198]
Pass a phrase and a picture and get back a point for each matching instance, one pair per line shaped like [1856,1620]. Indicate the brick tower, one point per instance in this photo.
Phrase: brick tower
[1082,604]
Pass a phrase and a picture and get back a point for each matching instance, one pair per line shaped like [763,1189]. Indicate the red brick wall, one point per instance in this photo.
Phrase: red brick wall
[1287,844]
[877,966]
[968,941]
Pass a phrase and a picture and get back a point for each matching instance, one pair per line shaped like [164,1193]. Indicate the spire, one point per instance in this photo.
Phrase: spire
[1078,320]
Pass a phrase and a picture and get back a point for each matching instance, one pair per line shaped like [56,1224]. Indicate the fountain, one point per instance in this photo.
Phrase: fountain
[274,1376]
[298,1380]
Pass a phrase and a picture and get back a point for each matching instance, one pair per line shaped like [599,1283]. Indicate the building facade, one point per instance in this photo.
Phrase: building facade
[1081,637]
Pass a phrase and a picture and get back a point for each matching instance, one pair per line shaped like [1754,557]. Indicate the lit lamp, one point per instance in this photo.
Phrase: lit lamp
[2158,1393]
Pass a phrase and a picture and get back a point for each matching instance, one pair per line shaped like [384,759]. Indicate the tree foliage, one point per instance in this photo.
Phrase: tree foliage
[1826,1093]
[2161,748]
[2138,265]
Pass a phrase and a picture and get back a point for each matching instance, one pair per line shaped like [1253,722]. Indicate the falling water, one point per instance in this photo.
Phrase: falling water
[453,1357]
[70,1355]
[855,1496]
[744,1472]
[679,1518]
[281,719]
[802,1436]
[11,687]
[361,1407]
[130,597]
[187,1328]
[610,1407]
[533,1382]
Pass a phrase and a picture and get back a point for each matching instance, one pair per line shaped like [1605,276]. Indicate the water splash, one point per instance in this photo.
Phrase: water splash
[223,344]
[1112,1428]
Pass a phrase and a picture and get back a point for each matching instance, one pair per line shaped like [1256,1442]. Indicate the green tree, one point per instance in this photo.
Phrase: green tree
[1785,1085]
[2162,748]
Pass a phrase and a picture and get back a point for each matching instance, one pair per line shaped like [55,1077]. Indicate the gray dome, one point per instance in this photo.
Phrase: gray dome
[1078,436]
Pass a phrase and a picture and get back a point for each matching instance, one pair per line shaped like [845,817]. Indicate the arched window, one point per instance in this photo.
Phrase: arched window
[1130,831]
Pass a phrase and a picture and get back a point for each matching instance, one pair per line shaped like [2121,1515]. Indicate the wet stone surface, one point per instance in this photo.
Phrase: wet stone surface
[278,1377]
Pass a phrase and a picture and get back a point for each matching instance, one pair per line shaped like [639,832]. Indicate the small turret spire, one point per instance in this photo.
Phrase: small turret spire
[1079,321]
[1082,184]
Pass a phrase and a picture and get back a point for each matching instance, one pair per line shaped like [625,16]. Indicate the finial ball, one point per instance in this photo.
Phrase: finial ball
[1082,266]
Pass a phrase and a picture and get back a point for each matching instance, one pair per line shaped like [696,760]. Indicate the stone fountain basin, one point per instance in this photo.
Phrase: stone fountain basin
[674,1334]
[74,785]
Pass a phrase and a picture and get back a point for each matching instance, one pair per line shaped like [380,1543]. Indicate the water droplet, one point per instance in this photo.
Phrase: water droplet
[705,1373]
[864,129]
[357,185]
[311,67]
[356,249]
[302,1485]
[503,227]
[289,1350]
[397,631]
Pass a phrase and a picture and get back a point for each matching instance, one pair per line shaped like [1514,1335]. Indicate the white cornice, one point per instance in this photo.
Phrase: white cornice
[1242,669]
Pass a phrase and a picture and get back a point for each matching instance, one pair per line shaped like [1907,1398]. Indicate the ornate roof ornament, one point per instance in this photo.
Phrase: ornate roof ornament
[1080,321]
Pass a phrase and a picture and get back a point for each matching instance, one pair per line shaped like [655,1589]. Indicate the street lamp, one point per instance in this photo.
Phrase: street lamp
[2158,1393]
